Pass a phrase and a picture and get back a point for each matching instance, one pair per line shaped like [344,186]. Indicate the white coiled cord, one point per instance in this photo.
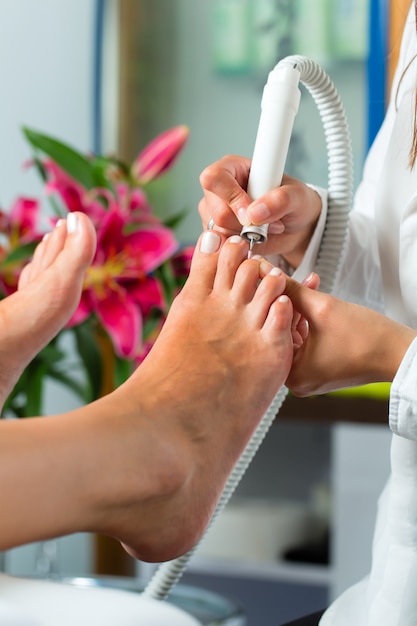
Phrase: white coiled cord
[340,189]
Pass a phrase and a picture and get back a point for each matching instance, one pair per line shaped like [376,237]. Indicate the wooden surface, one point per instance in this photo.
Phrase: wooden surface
[398,12]
[330,408]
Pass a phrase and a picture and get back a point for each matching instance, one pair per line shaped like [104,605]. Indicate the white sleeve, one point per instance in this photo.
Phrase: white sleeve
[360,278]
[403,396]
[308,263]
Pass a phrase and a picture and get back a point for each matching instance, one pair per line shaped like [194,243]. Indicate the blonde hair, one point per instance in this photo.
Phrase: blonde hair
[412,155]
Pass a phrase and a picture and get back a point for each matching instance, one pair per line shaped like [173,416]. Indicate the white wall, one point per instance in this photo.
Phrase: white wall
[360,469]
[223,111]
[45,78]
[46,83]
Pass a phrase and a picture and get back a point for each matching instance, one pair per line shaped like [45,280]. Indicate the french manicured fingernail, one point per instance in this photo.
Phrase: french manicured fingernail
[210,242]
[259,212]
[276,228]
[235,239]
[72,223]
[242,216]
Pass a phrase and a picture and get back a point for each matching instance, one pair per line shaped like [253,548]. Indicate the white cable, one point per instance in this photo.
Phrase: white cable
[340,186]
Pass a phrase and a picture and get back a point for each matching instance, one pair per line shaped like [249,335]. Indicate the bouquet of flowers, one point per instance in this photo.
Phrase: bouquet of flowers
[138,267]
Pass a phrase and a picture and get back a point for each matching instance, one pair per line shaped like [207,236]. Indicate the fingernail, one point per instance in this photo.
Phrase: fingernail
[242,216]
[72,223]
[210,242]
[259,212]
[276,228]
[307,279]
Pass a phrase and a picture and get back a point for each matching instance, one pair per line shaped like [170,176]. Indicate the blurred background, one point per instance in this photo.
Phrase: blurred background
[109,75]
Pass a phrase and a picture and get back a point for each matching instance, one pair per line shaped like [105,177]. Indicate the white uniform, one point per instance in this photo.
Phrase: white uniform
[380,270]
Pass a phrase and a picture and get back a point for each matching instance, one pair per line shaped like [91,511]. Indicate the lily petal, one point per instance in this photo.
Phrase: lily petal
[148,294]
[122,319]
[152,246]
[25,214]
[84,309]
[159,154]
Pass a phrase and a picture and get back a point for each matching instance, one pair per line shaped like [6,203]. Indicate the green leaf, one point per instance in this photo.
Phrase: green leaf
[79,389]
[165,274]
[34,389]
[19,254]
[91,358]
[73,162]
[175,220]
[122,370]
[100,167]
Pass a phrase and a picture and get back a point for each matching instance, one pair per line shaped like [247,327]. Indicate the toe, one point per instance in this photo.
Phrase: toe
[269,289]
[80,241]
[233,253]
[204,262]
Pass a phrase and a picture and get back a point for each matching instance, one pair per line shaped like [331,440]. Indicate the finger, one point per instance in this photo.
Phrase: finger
[312,281]
[228,179]
[275,205]
[213,207]
[303,298]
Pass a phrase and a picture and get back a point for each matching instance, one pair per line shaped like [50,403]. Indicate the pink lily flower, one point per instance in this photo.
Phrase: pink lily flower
[181,262]
[118,286]
[159,155]
[18,227]
[132,202]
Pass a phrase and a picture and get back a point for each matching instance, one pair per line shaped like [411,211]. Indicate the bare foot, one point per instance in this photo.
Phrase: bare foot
[48,294]
[147,463]
[221,357]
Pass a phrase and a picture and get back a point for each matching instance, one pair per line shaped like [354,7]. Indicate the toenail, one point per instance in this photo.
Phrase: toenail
[235,239]
[72,223]
[210,242]
[276,271]
[265,267]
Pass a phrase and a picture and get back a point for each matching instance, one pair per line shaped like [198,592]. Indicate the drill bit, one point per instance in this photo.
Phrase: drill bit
[251,244]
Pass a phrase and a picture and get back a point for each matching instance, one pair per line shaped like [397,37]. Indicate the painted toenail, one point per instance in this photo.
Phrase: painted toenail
[235,239]
[72,223]
[276,271]
[210,242]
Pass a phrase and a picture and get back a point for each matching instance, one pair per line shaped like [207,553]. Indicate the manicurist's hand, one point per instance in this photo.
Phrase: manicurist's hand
[291,210]
[346,344]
